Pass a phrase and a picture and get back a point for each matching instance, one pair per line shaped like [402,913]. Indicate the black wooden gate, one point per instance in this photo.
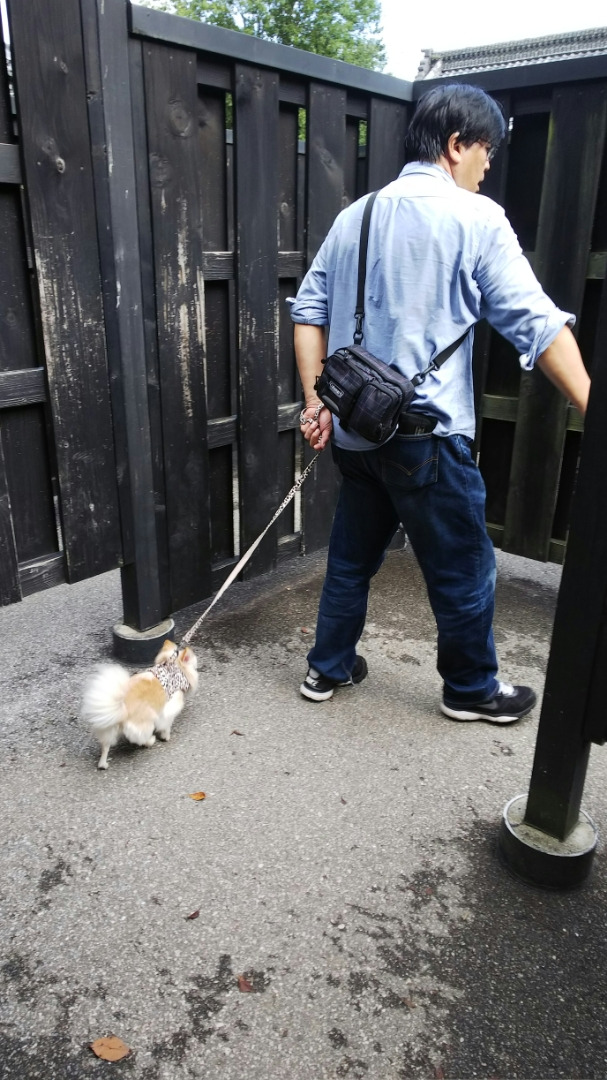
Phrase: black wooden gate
[173,208]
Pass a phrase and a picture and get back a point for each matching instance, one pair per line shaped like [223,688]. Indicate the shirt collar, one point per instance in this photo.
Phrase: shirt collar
[426,168]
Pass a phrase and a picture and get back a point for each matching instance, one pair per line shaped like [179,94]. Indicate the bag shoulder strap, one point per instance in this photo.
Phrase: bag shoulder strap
[359,314]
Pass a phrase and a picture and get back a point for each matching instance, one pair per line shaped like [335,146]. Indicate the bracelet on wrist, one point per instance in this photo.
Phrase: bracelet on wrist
[303,419]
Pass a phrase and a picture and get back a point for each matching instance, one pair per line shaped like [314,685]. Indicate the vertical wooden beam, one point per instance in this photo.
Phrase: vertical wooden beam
[110,110]
[494,186]
[256,200]
[172,121]
[388,122]
[573,710]
[575,148]
[325,197]
[51,92]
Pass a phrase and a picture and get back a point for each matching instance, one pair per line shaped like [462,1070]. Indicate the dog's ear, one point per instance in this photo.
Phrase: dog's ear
[166,651]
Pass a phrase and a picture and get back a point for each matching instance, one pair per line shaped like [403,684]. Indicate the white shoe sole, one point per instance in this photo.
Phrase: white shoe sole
[315,695]
[461,714]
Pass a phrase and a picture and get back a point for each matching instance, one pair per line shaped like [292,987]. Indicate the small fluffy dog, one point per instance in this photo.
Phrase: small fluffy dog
[116,703]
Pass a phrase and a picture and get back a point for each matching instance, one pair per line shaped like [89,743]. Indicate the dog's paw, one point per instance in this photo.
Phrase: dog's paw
[102,765]
[151,741]
[164,735]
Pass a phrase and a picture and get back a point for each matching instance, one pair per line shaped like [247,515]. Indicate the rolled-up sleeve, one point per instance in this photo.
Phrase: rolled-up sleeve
[513,300]
[311,304]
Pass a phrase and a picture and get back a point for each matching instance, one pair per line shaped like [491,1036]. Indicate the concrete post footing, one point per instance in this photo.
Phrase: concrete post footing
[140,646]
[540,859]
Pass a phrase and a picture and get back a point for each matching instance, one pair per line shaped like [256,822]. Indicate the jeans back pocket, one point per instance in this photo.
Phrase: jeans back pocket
[410,462]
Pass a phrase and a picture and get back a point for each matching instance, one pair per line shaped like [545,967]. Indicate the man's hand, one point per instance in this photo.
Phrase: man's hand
[317,431]
[310,348]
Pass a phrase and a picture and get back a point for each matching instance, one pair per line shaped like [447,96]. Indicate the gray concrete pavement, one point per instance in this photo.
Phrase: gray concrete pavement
[343,860]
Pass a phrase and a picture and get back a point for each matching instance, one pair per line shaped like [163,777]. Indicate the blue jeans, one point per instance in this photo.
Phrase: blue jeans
[433,486]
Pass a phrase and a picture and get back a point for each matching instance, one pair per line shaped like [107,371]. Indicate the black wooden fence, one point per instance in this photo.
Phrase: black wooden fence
[156,208]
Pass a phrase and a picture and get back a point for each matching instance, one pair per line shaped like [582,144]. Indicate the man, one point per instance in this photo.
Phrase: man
[440,258]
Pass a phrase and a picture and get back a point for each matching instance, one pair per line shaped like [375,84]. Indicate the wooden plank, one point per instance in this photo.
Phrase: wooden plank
[217,75]
[110,109]
[288,416]
[53,124]
[499,408]
[10,165]
[354,183]
[287,172]
[22,387]
[218,265]
[597,265]
[326,158]
[293,93]
[324,200]
[222,432]
[526,153]
[42,573]
[222,504]
[148,300]
[28,471]
[221,392]
[388,122]
[18,346]
[254,51]
[10,586]
[485,339]
[256,170]
[575,149]
[172,110]
[291,264]
[357,107]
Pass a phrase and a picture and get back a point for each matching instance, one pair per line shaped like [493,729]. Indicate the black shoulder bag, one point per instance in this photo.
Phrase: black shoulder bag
[367,395]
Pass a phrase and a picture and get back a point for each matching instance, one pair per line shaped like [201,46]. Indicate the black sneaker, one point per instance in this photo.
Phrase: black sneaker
[317,687]
[506,706]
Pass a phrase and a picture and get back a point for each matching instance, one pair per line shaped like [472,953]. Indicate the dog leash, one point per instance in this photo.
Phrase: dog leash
[247,555]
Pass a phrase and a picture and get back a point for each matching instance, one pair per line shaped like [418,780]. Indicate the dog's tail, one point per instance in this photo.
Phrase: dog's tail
[103,700]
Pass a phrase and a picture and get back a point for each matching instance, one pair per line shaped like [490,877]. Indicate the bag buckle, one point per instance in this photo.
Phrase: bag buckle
[418,379]
[358,331]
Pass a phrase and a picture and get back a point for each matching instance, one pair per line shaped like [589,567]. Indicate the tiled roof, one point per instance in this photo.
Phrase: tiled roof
[506,54]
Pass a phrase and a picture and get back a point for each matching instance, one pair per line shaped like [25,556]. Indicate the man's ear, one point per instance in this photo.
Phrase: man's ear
[454,148]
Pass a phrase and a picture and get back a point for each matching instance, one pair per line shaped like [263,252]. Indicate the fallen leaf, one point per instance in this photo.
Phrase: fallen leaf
[344,801]
[235,732]
[305,630]
[194,914]
[438,1073]
[244,985]
[197,796]
[110,1049]
[409,1002]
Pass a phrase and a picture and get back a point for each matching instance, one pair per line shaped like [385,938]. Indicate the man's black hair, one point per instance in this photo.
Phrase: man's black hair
[447,109]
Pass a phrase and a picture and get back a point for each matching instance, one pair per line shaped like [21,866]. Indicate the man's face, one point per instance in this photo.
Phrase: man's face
[469,172]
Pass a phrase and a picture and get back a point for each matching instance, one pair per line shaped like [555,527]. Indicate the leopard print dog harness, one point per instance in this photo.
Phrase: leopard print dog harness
[171,677]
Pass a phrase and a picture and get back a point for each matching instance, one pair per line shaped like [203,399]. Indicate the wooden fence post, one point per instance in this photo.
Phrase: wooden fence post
[46,38]
[105,33]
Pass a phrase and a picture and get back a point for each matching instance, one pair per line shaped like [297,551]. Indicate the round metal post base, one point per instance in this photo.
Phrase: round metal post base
[540,859]
[140,646]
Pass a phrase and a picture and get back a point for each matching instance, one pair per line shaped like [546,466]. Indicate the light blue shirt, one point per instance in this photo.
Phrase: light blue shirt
[440,258]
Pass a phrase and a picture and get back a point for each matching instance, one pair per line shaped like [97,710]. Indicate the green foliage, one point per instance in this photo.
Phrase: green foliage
[342,29]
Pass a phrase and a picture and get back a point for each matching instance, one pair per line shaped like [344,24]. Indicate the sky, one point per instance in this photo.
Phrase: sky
[410,26]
